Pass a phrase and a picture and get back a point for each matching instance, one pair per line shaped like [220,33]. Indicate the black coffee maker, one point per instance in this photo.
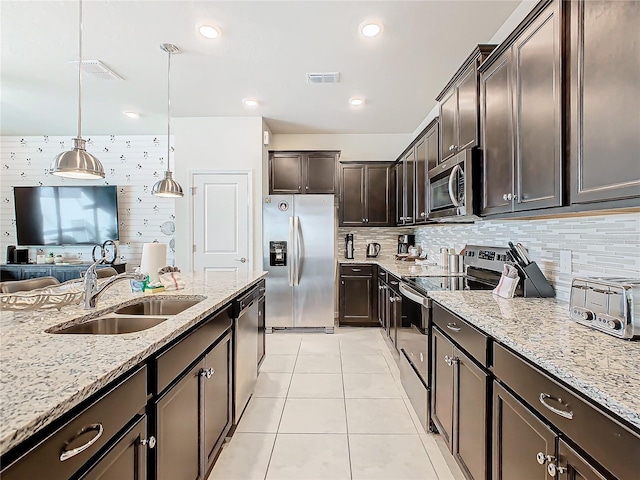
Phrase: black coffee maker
[404,242]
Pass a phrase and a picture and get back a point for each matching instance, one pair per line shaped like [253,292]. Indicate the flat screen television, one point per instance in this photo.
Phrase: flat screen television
[74,215]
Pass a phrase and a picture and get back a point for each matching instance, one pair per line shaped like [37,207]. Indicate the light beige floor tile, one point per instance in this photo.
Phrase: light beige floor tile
[313,415]
[360,347]
[441,459]
[232,463]
[316,385]
[364,364]
[278,363]
[375,415]
[389,457]
[262,415]
[309,457]
[354,333]
[414,417]
[318,364]
[283,343]
[272,384]
[370,385]
[325,345]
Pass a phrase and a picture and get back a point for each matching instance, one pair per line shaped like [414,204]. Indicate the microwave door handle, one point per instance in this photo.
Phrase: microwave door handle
[452,177]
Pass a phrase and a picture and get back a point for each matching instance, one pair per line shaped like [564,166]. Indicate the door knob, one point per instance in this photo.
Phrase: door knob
[241,260]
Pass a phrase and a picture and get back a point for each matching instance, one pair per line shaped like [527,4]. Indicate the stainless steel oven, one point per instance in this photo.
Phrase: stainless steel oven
[451,187]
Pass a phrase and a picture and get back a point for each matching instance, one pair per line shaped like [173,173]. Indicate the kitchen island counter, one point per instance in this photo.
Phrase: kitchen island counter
[602,368]
[44,375]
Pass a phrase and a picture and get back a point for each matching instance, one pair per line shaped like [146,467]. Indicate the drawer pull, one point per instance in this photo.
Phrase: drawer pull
[557,411]
[151,441]
[541,458]
[450,360]
[453,326]
[356,269]
[552,469]
[67,454]
[207,372]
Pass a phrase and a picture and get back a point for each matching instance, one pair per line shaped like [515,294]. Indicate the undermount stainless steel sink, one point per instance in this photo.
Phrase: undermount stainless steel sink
[154,306]
[113,325]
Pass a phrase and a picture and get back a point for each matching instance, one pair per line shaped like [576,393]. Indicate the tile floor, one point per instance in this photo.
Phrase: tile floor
[331,407]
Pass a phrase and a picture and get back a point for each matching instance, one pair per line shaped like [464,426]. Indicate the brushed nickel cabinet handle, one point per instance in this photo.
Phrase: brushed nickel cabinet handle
[67,454]
[453,326]
[557,411]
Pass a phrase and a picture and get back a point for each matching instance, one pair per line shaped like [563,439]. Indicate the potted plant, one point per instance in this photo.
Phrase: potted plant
[50,258]
[58,259]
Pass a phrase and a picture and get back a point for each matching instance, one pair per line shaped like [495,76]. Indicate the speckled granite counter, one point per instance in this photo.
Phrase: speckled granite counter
[403,269]
[603,368]
[43,375]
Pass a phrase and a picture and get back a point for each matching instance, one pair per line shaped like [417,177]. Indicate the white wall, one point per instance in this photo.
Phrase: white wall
[218,144]
[372,147]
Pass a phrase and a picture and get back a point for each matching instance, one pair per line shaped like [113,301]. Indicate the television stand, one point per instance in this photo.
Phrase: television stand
[24,271]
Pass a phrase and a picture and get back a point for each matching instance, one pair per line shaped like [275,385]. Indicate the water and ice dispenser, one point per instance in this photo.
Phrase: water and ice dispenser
[277,254]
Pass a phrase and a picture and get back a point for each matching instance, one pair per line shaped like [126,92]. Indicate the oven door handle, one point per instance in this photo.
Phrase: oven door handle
[452,175]
[411,294]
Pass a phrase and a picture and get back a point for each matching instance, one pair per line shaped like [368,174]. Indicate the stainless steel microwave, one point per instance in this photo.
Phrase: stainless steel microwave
[451,188]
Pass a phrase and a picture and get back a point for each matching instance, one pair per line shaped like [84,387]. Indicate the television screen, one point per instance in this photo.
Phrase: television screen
[75,215]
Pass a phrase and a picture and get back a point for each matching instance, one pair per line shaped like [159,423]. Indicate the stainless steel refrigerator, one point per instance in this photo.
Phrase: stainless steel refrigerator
[298,253]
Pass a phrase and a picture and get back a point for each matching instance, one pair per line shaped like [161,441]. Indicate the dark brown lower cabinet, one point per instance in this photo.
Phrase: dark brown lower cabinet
[459,408]
[357,298]
[178,429]
[126,460]
[574,466]
[520,439]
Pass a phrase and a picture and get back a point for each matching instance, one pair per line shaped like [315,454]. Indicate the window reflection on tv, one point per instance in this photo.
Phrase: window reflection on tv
[75,215]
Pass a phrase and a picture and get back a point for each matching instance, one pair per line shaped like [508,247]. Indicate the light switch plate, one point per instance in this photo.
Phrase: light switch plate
[565,262]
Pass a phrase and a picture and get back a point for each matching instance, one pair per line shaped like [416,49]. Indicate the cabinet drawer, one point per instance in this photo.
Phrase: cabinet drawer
[174,361]
[614,446]
[473,341]
[382,274]
[356,270]
[92,428]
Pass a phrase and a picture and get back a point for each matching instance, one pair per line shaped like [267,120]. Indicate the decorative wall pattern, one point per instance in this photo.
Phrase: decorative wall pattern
[600,245]
[387,237]
[133,163]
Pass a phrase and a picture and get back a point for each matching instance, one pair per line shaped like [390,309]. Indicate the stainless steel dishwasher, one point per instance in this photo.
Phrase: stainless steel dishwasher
[245,348]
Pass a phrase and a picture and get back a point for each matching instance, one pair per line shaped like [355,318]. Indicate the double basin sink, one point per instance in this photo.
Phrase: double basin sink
[132,318]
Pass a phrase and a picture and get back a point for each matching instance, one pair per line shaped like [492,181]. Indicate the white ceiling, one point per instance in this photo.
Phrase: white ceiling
[265,50]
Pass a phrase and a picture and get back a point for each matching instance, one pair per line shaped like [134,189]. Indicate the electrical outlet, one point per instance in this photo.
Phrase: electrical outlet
[565,262]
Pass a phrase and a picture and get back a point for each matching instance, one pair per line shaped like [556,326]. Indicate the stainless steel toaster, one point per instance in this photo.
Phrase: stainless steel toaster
[608,304]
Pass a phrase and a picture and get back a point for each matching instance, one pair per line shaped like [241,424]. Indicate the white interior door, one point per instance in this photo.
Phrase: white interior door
[221,228]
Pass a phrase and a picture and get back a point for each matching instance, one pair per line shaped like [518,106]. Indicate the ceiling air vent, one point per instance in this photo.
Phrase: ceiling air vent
[97,69]
[330,77]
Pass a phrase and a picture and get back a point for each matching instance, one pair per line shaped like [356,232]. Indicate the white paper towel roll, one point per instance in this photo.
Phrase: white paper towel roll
[154,257]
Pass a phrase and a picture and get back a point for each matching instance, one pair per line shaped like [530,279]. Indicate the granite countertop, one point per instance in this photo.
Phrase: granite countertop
[44,375]
[403,269]
[603,368]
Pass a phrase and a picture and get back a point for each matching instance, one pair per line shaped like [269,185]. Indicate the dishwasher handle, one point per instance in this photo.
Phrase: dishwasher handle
[245,302]
[411,294]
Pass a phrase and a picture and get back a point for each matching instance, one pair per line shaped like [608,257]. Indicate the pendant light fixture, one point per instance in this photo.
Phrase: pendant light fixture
[78,163]
[168,187]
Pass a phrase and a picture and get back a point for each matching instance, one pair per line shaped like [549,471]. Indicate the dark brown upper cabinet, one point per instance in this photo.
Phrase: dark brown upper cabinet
[604,115]
[521,116]
[366,194]
[459,106]
[406,188]
[302,172]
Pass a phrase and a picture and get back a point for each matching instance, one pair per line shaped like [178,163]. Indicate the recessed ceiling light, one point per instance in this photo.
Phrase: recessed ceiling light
[130,114]
[370,29]
[208,31]
[250,102]
[356,101]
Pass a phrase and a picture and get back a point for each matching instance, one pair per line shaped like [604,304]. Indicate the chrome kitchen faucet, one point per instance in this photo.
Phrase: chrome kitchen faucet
[91,290]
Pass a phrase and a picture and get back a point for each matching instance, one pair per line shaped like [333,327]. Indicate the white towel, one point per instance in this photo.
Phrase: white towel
[508,282]
[172,281]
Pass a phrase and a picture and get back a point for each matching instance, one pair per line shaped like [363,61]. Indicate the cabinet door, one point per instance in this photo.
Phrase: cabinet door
[467,114]
[381,302]
[395,312]
[126,459]
[497,136]
[518,438]
[471,428]
[262,338]
[400,184]
[285,173]
[378,195]
[448,126]
[320,173]
[573,466]
[538,101]
[442,386]
[217,399]
[421,180]
[356,300]
[432,138]
[410,188]
[178,429]
[65,273]
[352,205]
[37,272]
[604,100]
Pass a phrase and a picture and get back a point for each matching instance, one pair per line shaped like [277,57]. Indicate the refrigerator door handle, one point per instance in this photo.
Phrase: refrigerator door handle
[291,252]
[299,249]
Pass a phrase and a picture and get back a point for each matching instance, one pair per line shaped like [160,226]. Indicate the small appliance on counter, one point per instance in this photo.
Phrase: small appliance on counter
[608,304]
[404,242]
[373,249]
[17,255]
[348,246]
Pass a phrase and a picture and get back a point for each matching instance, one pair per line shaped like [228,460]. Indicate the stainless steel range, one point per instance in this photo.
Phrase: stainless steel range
[483,270]
[608,304]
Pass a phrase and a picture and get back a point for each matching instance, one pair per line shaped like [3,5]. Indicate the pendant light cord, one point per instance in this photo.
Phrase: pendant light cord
[168,109]
[80,75]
